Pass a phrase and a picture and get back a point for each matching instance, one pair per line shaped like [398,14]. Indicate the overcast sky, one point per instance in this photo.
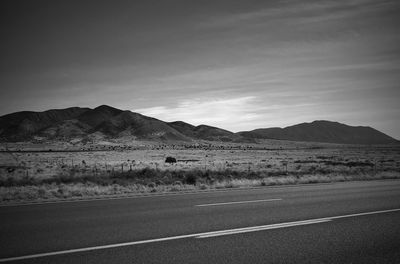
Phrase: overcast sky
[238,65]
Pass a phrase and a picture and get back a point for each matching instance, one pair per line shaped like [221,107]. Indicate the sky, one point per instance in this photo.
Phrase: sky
[237,64]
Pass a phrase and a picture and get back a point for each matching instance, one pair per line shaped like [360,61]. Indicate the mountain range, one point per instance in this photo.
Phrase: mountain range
[108,122]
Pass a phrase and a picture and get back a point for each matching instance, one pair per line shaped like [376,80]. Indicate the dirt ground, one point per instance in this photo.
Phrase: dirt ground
[270,157]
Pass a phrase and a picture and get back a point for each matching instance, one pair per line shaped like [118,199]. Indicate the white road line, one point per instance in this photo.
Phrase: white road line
[361,214]
[69,251]
[240,202]
[200,235]
[260,228]
[139,196]
[150,195]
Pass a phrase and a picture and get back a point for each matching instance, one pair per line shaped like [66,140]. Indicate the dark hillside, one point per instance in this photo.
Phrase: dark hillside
[323,131]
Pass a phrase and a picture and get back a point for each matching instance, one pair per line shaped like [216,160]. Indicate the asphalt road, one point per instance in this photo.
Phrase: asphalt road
[352,222]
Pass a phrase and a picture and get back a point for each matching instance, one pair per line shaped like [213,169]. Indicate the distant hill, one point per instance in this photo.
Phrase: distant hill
[103,121]
[322,131]
[106,122]
[64,124]
[204,132]
[99,115]
[21,125]
[140,126]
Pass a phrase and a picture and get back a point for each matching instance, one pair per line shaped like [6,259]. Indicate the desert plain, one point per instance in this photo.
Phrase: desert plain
[53,171]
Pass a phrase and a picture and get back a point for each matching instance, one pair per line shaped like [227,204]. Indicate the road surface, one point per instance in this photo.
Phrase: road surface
[352,222]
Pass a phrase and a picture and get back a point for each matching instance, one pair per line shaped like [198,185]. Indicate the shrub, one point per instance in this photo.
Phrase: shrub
[203,186]
[42,192]
[263,183]
[170,160]
[178,183]
[191,179]
[151,185]
[175,188]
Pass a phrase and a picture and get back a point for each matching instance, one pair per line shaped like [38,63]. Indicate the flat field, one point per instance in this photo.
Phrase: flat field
[32,172]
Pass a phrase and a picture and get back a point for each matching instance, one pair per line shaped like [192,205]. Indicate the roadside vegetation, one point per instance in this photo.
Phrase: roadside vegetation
[78,183]
[53,175]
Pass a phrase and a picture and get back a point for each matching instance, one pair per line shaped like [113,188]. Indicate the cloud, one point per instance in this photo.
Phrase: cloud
[226,113]
[296,12]
[235,114]
[238,67]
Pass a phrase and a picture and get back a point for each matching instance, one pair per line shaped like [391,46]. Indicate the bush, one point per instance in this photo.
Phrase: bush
[203,186]
[178,183]
[170,160]
[191,179]
[263,183]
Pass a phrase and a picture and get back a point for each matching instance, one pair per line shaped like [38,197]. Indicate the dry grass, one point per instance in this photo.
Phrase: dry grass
[85,190]
[28,176]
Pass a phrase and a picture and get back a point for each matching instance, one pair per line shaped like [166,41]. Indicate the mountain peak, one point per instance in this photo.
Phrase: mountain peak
[113,123]
[323,131]
[107,108]
[96,116]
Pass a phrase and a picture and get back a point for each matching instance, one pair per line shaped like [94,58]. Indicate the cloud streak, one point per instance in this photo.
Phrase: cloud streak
[215,112]
[236,66]
[235,114]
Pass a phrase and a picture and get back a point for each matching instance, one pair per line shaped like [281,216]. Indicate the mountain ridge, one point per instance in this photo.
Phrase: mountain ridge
[109,122]
[323,131]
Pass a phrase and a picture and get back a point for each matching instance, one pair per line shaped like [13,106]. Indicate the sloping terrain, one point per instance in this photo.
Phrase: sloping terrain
[75,122]
[108,122]
[22,125]
[323,131]
[204,132]
[140,126]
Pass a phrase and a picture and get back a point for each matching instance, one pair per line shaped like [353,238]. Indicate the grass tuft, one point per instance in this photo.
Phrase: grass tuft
[78,184]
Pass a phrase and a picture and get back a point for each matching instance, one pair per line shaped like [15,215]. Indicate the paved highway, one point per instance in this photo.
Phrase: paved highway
[353,222]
